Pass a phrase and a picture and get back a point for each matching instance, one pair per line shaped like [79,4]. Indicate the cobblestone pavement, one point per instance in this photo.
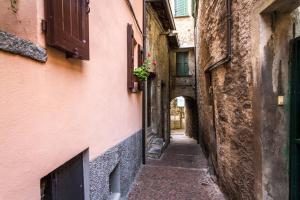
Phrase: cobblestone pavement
[180,174]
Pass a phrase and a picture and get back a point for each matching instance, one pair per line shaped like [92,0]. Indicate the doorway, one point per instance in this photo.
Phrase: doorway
[294,120]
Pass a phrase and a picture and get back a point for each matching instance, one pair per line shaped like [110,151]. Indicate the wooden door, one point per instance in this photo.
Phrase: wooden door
[295,121]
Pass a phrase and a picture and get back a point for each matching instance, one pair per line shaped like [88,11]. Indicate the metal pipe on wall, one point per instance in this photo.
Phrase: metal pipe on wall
[144,88]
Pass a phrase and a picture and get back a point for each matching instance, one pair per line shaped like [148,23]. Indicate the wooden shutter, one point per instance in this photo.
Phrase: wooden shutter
[67,25]
[182,68]
[294,120]
[181,8]
[130,56]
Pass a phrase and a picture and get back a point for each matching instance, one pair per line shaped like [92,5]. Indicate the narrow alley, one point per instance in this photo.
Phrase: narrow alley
[180,173]
[150,100]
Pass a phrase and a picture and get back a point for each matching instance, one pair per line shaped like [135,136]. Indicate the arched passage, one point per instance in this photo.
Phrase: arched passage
[184,117]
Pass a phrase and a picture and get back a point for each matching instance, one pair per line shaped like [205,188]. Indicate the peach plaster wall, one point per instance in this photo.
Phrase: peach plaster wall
[51,112]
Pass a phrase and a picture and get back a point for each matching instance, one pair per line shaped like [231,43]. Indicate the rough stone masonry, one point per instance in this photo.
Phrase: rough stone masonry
[225,100]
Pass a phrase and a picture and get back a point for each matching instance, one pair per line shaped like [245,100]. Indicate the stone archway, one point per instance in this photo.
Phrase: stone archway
[191,117]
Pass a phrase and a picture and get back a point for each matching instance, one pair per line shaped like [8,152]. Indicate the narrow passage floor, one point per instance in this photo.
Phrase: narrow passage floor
[180,174]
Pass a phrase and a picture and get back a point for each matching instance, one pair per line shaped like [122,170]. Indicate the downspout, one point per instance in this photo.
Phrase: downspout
[228,57]
[195,73]
[169,97]
[144,88]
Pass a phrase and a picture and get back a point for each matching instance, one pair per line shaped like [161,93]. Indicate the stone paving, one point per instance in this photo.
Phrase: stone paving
[180,174]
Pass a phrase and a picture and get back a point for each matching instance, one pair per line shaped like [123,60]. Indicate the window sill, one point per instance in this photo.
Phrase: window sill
[13,44]
[187,76]
[183,16]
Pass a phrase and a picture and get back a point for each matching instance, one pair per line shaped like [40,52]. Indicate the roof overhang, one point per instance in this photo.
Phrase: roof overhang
[165,15]
[164,12]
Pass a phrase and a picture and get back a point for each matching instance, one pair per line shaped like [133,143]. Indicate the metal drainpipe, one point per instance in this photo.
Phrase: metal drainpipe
[195,78]
[228,57]
[145,88]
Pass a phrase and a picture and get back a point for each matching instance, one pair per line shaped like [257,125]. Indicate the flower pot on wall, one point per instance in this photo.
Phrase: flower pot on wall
[152,75]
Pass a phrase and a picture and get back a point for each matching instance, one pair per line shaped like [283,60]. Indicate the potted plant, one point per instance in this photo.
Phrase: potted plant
[143,72]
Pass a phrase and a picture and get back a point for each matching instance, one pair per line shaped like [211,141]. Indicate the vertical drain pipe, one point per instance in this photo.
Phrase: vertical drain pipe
[144,88]
[228,57]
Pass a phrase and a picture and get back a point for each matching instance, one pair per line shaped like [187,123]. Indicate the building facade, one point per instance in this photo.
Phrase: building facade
[60,98]
[160,42]
[247,61]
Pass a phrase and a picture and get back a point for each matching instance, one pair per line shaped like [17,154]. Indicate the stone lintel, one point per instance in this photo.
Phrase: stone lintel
[13,44]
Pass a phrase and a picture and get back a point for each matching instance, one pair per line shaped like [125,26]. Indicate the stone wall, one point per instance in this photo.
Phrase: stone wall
[244,130]
[127,157]
[226,118]
[191,118]
[158,47]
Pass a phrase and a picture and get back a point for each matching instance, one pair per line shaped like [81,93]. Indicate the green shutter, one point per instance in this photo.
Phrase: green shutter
[182,67]
[181,8]
[294,122]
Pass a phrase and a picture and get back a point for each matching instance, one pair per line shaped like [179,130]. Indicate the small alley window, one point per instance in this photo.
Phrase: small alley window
[67,181]
[67,26]
[181,8]
[182,66]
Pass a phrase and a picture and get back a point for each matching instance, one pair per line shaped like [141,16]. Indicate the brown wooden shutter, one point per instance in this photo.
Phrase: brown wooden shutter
[68,26]
[130,56]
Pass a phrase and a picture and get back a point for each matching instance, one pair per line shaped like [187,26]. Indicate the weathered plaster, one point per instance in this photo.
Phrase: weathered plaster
[51,112]
[271,73]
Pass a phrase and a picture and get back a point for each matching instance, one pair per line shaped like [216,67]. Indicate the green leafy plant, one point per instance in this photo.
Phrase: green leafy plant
[142,72]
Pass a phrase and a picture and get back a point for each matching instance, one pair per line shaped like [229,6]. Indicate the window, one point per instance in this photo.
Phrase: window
[67,27]
[114,183]
[181,8]
[182,67]
[68,181]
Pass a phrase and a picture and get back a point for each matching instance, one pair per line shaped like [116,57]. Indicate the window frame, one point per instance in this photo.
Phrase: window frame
[186,53]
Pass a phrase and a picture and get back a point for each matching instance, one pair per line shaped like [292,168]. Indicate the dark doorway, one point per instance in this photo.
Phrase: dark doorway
[294,121]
